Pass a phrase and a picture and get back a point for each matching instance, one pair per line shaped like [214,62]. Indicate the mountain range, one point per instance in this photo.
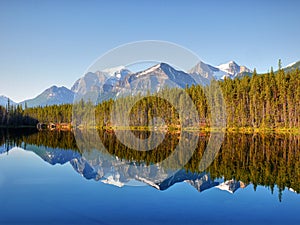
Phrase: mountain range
[108,83]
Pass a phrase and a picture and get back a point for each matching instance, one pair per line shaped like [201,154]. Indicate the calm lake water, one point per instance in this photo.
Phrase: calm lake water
[62,178]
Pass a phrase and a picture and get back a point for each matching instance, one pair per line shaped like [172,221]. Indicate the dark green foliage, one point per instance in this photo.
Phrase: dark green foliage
[54,113]
[15,116]
[54,139]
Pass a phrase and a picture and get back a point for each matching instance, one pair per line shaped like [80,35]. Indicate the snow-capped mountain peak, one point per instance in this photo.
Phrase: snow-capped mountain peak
[113,70]
[232,68]
[149,70]
[203,69]
[230,185]
[113,180]
[158,76]
[118,72]
[100,81]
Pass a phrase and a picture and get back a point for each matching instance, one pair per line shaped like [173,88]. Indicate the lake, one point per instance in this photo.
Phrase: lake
[92,177]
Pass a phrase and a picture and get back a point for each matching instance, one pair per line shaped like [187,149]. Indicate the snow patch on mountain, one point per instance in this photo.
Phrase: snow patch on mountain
[113,180]
[291,64]
[147,71]
[113,70]
[205,72]
[232,69]
[231,186]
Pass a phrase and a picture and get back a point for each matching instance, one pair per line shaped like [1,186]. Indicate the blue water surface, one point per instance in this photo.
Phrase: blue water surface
[35,192]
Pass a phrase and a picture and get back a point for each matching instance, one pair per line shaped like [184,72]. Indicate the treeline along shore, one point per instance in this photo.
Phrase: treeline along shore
[268,101]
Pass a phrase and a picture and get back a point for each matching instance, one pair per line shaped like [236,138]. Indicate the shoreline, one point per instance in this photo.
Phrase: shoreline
[173,129]
[244,130]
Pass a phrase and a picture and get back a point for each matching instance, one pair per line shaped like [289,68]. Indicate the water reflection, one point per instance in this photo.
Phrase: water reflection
[260,159]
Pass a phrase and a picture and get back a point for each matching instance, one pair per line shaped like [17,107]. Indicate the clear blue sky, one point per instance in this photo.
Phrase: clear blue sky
[43,43]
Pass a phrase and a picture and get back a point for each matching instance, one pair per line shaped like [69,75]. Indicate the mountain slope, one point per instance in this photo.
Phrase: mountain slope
[208,72]
[231,186]
[53,155]
[288,68]
[292,66]
[51,96]
[232,69]
[157,77]
[203,73]
[99,82]
[200,181]
[109,83]
[4,100]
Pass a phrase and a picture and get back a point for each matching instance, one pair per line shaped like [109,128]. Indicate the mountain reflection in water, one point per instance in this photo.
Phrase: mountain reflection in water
[259,159]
